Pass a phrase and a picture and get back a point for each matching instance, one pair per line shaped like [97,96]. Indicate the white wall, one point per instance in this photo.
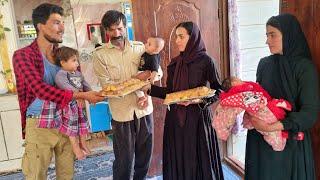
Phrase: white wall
[253,14]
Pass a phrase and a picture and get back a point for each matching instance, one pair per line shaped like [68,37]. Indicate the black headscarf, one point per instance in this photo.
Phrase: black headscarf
[194,50]
[295,47]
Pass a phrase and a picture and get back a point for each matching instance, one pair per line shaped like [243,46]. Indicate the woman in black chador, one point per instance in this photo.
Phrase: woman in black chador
[190,146]
[289,74]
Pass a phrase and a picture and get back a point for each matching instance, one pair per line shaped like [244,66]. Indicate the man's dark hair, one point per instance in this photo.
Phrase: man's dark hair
[113,17]
[187,25]
[41,13]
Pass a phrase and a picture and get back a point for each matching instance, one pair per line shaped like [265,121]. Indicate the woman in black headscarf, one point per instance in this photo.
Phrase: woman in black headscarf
[190,146]
[289,74]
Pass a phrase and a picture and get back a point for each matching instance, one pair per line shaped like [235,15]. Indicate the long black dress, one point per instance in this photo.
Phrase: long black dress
[290,76]
[190,149]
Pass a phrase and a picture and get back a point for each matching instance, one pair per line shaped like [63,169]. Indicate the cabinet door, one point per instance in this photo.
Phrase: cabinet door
[3,151]
[12,133]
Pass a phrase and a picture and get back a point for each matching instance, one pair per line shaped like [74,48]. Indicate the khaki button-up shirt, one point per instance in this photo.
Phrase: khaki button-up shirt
[114,65]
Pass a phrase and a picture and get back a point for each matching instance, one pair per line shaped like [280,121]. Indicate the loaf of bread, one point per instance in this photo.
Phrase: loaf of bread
[187,95]
[123,88]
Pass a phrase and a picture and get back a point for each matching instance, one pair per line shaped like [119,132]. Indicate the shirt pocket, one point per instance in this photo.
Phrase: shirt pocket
[114,71]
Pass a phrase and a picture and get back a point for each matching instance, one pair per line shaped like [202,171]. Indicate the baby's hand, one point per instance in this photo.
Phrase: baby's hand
[142,102]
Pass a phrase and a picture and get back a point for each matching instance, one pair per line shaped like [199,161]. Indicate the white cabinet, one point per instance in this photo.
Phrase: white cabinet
[11,141]
[3,151]
[11,124]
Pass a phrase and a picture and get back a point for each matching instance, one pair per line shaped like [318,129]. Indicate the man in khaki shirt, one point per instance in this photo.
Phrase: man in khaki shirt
[132,126]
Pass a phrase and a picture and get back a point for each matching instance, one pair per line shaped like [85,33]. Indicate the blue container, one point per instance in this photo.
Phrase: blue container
[99,116]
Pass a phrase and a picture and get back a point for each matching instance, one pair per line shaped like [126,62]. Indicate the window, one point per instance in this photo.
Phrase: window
[247,19]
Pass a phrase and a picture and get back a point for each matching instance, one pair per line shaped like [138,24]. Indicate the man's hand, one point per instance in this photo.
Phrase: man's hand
[81,103]
[91,96]
[143,76]
[146,88]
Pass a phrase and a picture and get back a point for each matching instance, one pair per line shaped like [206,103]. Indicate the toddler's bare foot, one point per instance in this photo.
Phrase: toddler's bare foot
[83,146]
[85,149]
[75,144]
[78,152]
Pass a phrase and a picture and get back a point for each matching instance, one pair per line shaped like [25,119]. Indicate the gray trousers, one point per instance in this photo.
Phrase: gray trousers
[132,145]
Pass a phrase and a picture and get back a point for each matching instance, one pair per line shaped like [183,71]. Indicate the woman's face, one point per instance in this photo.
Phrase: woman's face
[274,40]
[182,38]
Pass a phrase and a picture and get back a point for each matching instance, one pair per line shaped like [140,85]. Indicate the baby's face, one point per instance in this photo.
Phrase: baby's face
[70,64]
[150,46]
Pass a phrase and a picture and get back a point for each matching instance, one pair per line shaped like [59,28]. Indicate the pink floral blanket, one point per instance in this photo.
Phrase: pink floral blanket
[255,101]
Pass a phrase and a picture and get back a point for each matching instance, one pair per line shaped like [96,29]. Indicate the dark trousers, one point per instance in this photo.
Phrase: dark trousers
[132,145]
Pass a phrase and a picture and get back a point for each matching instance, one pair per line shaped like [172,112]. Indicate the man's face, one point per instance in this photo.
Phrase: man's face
[53,30]
[116,31]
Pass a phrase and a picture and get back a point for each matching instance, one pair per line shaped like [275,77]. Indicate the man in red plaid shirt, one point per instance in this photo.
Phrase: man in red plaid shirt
[35,71]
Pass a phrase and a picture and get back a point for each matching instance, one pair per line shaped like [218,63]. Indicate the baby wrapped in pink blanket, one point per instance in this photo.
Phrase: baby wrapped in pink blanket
[252,98]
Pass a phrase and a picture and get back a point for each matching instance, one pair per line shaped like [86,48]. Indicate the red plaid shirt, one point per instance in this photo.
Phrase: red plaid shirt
[29,70]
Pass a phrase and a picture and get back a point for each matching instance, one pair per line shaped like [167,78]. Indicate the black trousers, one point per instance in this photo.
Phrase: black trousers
[132,145]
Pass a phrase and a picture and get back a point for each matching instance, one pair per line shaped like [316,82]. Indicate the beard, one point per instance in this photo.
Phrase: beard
[52,40]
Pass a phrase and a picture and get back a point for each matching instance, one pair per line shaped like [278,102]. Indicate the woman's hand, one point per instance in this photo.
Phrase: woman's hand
[187,103]
[261,125]
[143,76]
[184,103]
